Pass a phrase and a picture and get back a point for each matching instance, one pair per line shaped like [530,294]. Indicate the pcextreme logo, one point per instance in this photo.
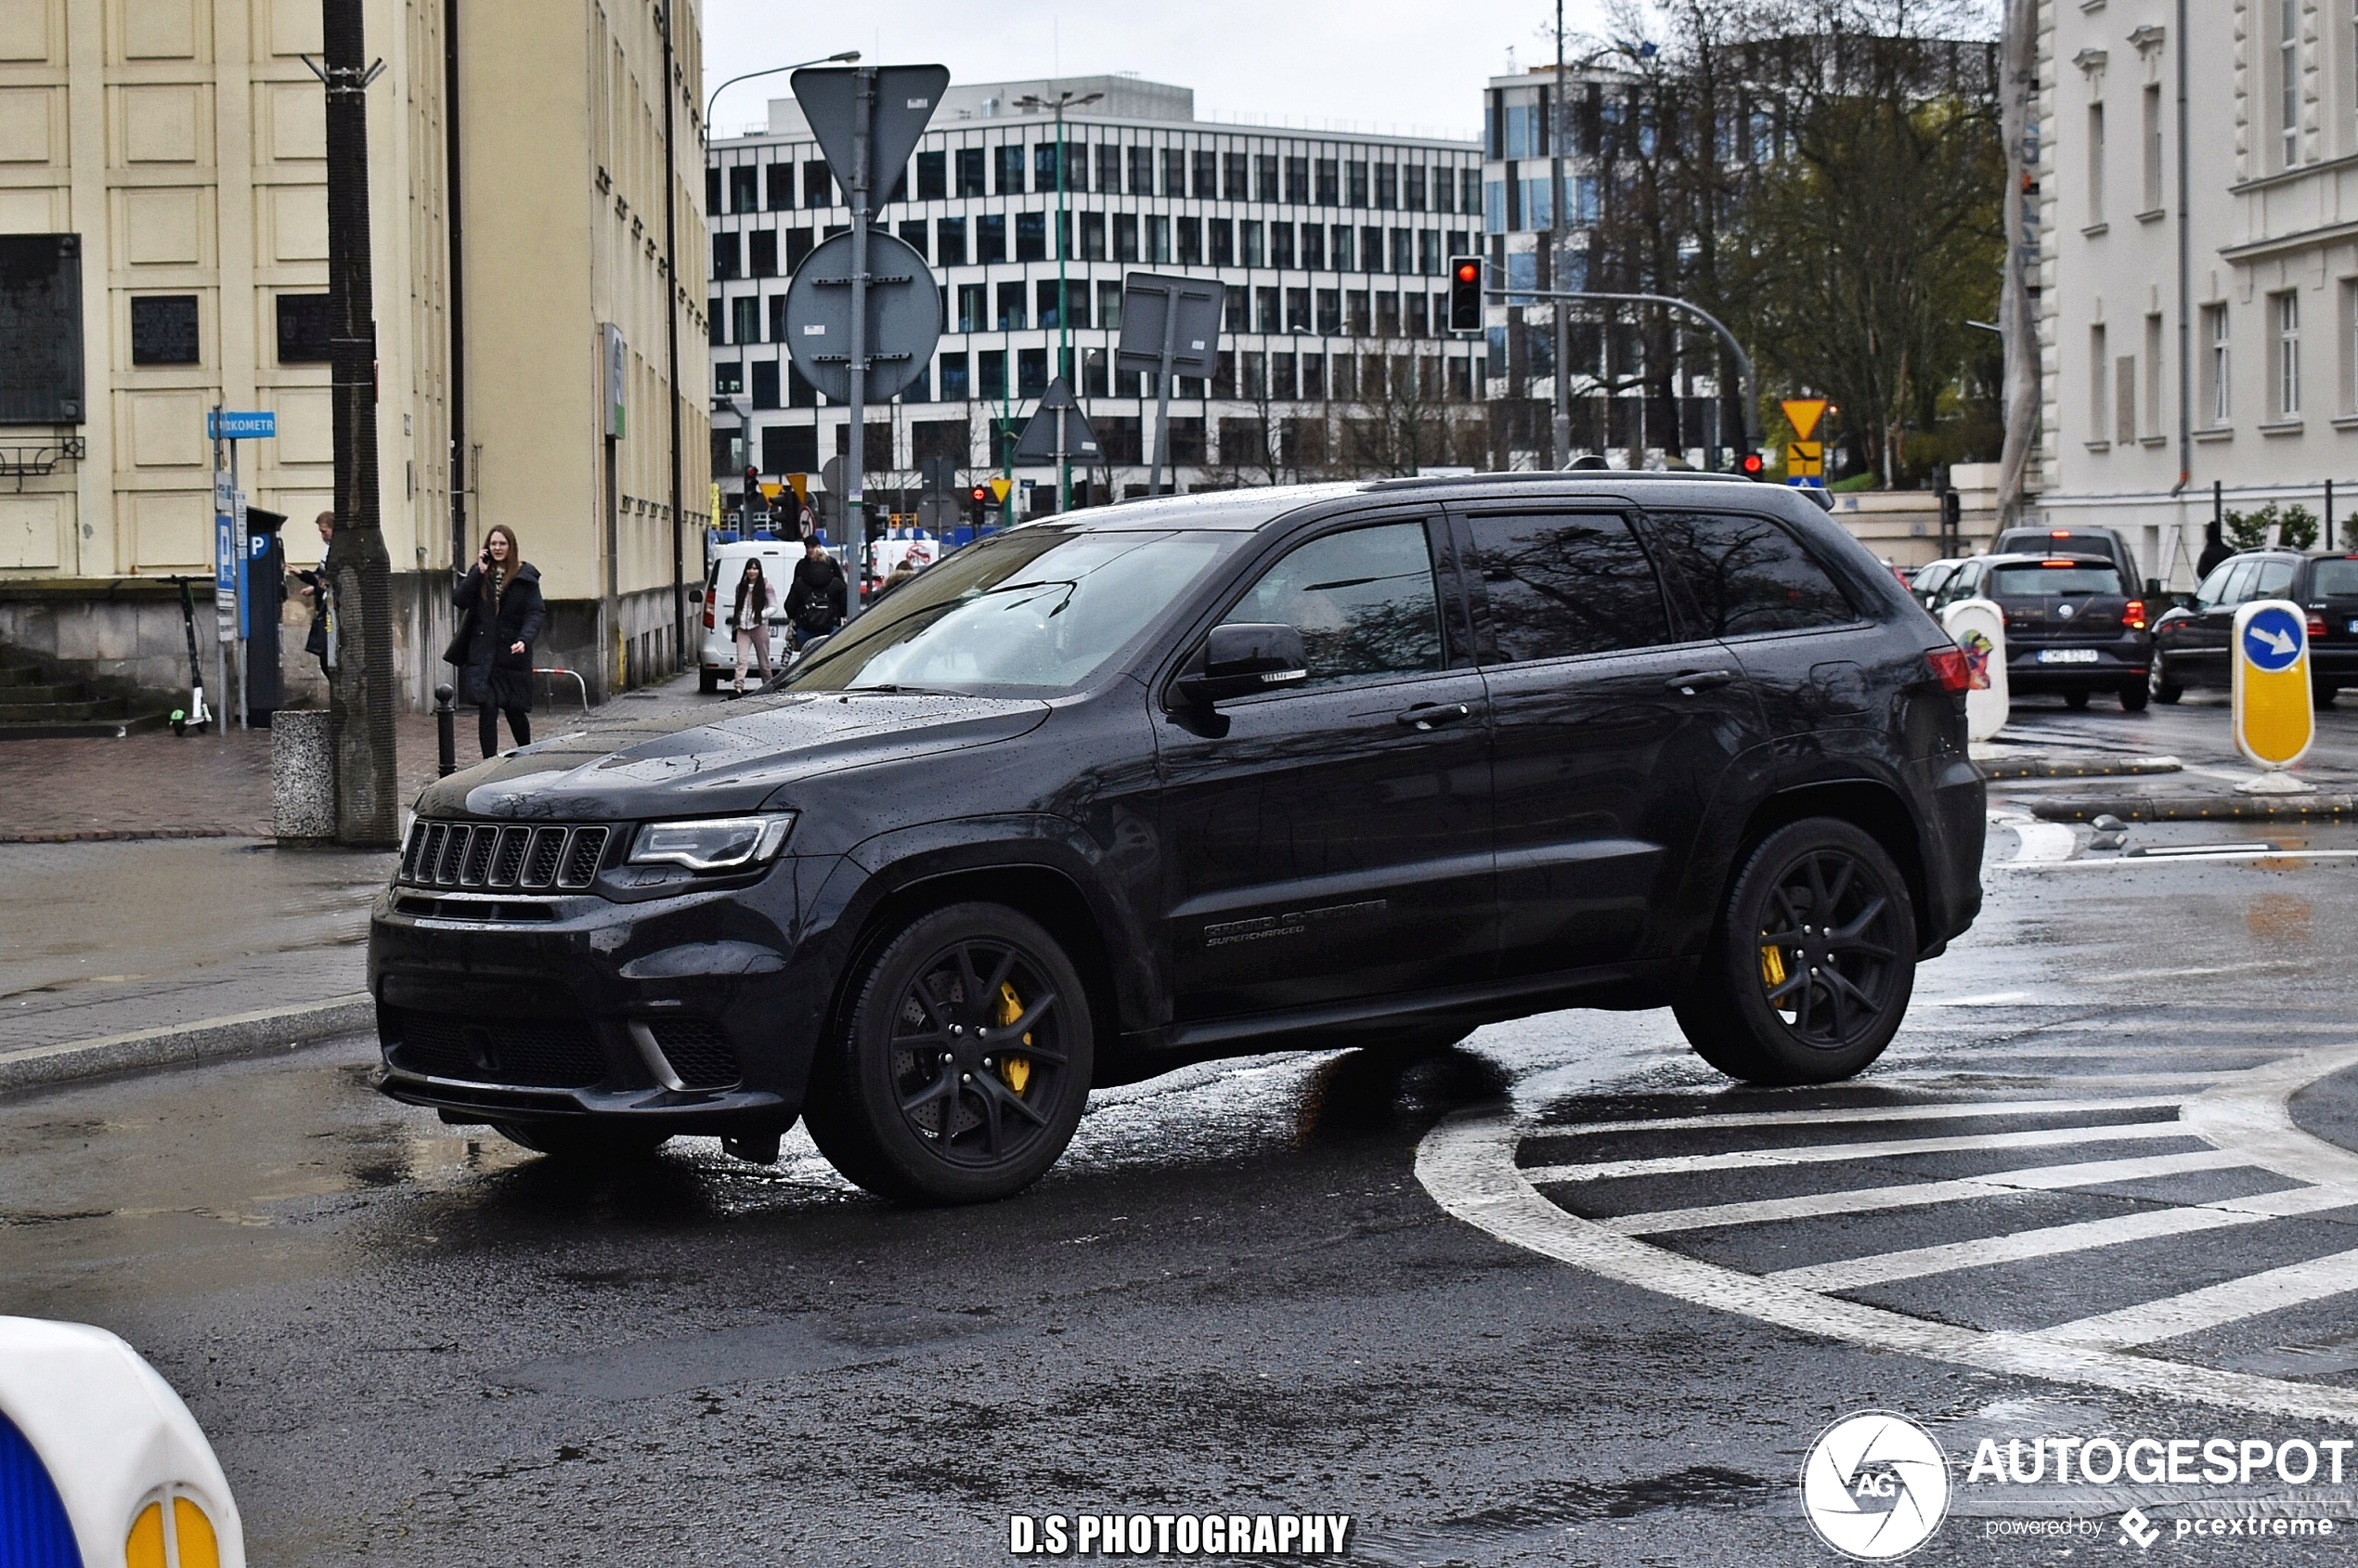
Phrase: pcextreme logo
[1875,1485]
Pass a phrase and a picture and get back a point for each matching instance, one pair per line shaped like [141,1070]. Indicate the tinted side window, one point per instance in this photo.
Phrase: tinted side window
[1748,574]
[2274,578]
[2238,582]
[2214,587]
[1563,585]
[1362,600]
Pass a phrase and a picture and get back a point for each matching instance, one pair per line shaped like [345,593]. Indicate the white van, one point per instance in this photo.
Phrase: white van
[717,661]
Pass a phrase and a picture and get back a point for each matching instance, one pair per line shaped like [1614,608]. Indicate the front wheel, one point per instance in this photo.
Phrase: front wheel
[2159,685]
[2323,696]
[1812,962]
[960,1071]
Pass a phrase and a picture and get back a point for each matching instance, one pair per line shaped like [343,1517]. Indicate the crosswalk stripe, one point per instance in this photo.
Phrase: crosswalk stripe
[1914,1262]
[1818,1154]
[1861,1200]
[1867,1113]
[2229,1301]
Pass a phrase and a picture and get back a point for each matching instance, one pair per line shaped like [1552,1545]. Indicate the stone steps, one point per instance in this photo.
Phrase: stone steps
[35,704]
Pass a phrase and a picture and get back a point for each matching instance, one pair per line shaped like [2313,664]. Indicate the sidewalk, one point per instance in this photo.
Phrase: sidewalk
[199,916]
[2066,766]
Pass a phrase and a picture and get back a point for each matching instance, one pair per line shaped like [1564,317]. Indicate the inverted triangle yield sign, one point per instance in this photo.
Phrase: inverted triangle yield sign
[1803,414]
[904,98]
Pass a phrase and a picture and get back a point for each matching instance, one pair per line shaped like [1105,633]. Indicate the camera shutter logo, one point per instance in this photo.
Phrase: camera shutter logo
[1875,1486]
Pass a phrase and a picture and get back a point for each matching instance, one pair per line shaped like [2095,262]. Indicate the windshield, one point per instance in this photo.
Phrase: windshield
[2030,581]
[1037,611]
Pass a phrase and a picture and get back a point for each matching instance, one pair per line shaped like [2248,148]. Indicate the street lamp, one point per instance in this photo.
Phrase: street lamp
[711,103]
[1064,100]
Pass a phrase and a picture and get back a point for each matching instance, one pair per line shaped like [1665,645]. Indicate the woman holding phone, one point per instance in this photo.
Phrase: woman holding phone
[504,613]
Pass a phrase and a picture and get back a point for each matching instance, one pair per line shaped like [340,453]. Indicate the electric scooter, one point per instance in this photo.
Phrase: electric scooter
[196,716]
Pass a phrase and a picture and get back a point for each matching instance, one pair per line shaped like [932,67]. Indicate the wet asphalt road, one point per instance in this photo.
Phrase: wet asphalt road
[414,1345]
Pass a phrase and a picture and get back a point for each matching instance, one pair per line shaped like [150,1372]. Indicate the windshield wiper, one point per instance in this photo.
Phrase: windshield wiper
[891,689]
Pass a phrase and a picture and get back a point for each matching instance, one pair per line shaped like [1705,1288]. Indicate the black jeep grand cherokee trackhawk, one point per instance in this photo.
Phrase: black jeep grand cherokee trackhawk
[1191,777]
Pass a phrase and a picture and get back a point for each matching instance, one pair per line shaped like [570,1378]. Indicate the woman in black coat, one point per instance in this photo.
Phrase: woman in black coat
[504,613]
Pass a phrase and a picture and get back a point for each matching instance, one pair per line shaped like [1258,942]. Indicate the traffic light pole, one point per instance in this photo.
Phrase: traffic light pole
[1744,361]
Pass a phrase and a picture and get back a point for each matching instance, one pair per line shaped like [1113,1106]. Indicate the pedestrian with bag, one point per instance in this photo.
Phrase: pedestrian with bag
[820,597]
[316,589]
[503,615]
[750,622]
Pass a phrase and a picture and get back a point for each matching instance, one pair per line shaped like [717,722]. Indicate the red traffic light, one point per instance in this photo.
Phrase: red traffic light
[979,493]
[1469,272]
[1753,465]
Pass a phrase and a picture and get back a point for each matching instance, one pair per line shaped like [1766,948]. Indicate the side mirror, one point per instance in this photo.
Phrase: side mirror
[1243,658]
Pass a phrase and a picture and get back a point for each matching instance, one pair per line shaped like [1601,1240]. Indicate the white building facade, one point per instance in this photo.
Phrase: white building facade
[1332,247]
[2196,257]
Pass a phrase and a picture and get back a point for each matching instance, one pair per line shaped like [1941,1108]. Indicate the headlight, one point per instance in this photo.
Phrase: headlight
[715,844]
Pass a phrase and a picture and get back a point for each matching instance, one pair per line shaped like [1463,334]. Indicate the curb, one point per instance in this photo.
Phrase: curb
[2199,809]
[120,835]
[2056,768]
[240,1034]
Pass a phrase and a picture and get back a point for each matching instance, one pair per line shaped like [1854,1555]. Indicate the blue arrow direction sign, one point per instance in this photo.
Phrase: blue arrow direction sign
[240,424]
[2272,638]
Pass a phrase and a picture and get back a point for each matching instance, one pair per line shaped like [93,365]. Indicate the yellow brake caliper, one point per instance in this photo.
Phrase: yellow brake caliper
[1772,964]
[1015,1072]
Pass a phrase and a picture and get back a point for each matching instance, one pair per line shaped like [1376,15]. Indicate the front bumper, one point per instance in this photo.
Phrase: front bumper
[697,1013]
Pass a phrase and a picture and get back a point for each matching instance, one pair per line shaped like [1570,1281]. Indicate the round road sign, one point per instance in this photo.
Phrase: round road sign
[904,316]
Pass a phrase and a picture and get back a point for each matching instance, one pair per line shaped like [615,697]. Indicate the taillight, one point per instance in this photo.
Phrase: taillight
[1950,667]
[2316,626]
[2132,615]
[708,611]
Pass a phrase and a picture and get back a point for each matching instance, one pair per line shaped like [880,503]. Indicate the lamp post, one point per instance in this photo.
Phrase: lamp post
[1064,100]
[846,57]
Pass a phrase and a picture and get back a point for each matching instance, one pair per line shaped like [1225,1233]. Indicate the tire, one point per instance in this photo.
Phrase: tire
[585,1143]
[2158,684]
[907,1060]
[2076,701]
[2323,696]
[707,681]
[1735,1016]
[2134,697]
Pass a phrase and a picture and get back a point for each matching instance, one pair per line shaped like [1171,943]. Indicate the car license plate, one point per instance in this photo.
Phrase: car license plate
[2066,656]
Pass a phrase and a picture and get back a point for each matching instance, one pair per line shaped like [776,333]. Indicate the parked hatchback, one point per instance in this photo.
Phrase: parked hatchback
[2073,626]
[1196,777]
[2190,642]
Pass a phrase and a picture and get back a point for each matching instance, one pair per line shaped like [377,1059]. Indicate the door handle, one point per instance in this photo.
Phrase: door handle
[1432,716]
[1701,681]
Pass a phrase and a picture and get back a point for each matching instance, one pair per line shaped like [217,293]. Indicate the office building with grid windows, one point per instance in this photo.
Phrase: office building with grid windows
[1332,247]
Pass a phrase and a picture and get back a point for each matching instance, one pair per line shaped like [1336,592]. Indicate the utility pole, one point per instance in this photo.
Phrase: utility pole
[1556,227]
[1064,99]
[671,303]
[362,693]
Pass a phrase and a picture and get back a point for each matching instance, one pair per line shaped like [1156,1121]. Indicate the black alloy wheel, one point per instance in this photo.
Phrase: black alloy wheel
[1814,961]
[2158,682]
[964,1066]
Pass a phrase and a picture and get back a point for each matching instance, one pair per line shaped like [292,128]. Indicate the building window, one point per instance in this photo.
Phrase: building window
[1031,371]
[1330,182]
[2285,310]
[1412,187]
[1009,173]
[1429,252]
[800,394]
[1142,170]
[777,318]
[1387,315]
[1264,314]
[1049,317]
[1313,246]
[1010,318]
[1387,186]
[972,312]
[991,238]
[1494,209]
[714,323]
[818,184]
[761,253]
[1206,166]
[1265,176]
[1232,177]
[1370,249]
[765,383]
[1297,180]
[1538,203]
[2096,163]
[724,255]
[991,373]
[969,171]
[303,330]
[933,176]
[2216,401]
[778,178]
[2150,138]
[2124,400]
[712,190]
[950,241]
[1587,197]
[163,330]
[1329,312]
[1470,190]
[728,379]
[1281,244]
[744,319]
[1125,237]
[1403,253]
[797,247]
[1174,171]
[2288,77]
[1358,178]
[1414,314]
[1361,322]
[1032,236]
[1296,310]
[1253,251]
[1444,192]
[1157,239]
[913,234]
[1223,243]
[1092,237]
[744,192]
[2152,430]
[1344,251]
[2099,385]
[1109,306]
[1109,167]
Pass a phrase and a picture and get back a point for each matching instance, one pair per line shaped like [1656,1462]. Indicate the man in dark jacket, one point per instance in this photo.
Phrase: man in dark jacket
[817,601]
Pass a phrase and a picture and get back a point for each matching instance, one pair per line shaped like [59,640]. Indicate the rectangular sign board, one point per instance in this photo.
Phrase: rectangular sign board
[234,424]
[1147,299]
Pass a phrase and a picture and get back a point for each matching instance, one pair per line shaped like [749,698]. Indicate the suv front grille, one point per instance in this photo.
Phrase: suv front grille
[519,1053]
[538,858]
[699,1053]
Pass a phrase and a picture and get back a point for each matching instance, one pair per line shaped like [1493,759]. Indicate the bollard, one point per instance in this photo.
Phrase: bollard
[303,776]
[445,738]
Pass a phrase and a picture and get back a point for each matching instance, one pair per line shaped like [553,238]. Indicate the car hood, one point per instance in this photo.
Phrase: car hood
[733,764]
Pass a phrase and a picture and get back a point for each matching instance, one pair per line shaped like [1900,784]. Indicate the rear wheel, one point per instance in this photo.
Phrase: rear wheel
[2075,700]
[961,1066]
[2134,697]
[2322,696]
[1813,961]
[2159,686]
[707,681]
[585,1142]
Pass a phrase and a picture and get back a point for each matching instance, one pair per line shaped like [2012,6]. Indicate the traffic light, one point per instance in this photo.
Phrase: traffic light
[977,503]
[1752,465]
[1465,293]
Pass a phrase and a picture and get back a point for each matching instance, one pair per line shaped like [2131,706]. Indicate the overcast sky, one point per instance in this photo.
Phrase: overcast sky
[1372,63]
